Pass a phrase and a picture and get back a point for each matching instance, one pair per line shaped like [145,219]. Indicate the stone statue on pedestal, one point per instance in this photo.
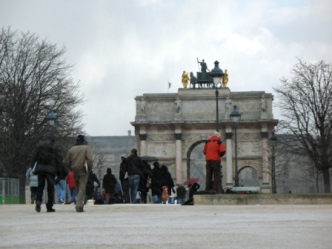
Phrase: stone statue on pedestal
[228,108]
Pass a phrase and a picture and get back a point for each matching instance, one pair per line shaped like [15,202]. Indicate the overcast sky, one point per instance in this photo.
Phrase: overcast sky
[124,48]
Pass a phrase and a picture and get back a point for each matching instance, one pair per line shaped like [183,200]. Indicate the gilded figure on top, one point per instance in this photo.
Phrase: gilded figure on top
[225,79]
[185,79]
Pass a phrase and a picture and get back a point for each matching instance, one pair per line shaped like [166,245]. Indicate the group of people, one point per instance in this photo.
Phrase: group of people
[136,175]
[139,179]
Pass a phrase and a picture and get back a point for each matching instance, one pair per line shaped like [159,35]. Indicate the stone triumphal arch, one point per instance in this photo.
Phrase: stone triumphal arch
[169,125]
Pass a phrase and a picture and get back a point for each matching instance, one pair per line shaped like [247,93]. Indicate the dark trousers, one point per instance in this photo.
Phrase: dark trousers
[42,176]
[33,191]
[144,195]
[212,180]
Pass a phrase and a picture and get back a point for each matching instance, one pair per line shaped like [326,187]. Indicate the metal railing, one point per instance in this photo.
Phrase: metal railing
[9,191]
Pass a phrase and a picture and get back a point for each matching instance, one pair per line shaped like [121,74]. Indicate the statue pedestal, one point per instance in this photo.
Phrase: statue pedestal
[178,116]
[142,117]
[263,115]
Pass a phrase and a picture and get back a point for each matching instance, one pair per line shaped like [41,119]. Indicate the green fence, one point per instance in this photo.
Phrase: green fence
[9,191]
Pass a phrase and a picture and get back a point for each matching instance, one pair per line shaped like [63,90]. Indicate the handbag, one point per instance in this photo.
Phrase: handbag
[148,183]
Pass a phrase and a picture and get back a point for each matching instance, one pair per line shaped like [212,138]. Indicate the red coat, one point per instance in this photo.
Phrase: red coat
[214,149]
[70,180]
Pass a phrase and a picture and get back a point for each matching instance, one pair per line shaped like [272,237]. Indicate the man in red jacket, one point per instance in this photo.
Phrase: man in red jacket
[214,150]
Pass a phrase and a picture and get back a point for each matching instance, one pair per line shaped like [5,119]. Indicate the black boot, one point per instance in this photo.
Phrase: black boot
[50,209]
[79,209]
[38,206]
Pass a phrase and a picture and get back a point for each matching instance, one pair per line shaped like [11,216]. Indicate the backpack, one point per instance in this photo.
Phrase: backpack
[98,196]
[117,188]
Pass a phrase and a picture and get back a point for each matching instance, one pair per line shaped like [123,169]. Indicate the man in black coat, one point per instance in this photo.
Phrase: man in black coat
[157,182]
[49,164]
[135,167]
[124,179]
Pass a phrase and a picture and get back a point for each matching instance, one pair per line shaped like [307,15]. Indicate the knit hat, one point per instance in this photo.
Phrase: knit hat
[217,134]
[80,138]
[123,155]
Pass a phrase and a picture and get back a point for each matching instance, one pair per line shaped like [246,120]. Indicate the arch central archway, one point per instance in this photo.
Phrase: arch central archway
[196,162]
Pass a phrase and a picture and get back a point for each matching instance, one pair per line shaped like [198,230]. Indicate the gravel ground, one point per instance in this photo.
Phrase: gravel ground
[167,226]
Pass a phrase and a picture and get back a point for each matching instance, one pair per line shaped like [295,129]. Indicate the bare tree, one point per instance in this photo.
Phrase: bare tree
[306,104]
[34,80]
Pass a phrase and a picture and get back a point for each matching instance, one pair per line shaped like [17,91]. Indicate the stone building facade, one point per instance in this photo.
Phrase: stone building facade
[170,126]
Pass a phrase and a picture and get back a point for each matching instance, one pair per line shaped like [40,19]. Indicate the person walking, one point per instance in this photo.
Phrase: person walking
[134,168]
[142,186]
[91,186]
[167,180]
[181,194]
[79,159]
[72,187]
[49,160]
[214,150]
[33,183]
[61,188]
[156,182]
[124,179]
[109,182]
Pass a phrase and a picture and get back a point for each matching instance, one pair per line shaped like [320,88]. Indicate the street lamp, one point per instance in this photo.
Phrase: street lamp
[51,116]
[216,74]
[273,144]
[235,117]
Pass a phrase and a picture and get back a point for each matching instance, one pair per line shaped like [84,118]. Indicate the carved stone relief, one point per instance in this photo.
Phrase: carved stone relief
[160,107]
[249,148]
[161,149]
[161,137]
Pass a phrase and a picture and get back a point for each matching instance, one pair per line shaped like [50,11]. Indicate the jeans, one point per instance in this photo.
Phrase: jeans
[180,200]
[72,195]
[61,188]
[133,187]
[156,199]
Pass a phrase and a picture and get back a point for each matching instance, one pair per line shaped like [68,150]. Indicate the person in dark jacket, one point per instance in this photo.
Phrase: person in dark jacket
[109,182]
[135,168]
[49,160]
[91,185]
[193,189]
[167,179]
[124,179]
[181,194]
[143,180]
[156,182]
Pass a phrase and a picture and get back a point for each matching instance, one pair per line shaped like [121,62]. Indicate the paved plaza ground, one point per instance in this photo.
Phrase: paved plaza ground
[167,226]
